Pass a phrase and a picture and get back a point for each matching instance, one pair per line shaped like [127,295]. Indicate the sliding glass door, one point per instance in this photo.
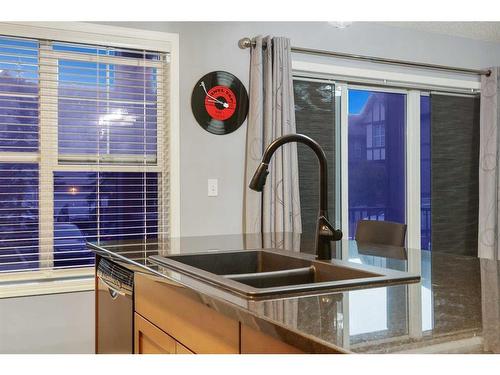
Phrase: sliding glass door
[378,144]
[376,157]
[363,133]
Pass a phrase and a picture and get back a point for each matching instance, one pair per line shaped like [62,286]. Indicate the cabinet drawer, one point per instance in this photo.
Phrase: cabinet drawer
[190,322]
[149,339]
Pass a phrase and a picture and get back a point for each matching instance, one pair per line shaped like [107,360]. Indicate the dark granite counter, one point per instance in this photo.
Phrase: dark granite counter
[454,309]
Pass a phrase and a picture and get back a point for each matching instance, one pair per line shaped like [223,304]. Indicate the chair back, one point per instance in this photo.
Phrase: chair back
[381,232]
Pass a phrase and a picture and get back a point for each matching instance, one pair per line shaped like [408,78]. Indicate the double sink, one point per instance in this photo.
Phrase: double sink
[265,274]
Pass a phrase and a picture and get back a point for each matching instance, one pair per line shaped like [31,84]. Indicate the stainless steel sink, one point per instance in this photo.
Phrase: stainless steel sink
[260,274]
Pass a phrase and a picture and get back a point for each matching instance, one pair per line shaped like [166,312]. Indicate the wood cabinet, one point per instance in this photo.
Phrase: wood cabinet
[196,326]
[170,321]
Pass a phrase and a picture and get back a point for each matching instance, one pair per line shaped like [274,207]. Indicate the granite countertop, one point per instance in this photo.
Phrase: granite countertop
[455,308]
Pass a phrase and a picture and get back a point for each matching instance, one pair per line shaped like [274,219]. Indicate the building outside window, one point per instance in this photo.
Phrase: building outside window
[377,122]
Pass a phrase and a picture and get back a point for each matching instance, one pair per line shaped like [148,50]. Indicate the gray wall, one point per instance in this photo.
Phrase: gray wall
[213,46]
[53,324]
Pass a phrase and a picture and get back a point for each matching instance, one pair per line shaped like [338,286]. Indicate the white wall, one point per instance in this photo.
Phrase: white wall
[57,323]
[213,46]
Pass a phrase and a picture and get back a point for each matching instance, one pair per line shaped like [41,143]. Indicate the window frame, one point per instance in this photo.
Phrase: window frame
[55,281]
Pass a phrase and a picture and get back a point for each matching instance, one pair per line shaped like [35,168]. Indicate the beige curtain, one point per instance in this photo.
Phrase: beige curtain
[272,114]
[489,174]
[489,214]
[490,297]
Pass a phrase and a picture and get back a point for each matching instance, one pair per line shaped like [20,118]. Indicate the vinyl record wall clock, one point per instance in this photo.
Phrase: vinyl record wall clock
[219,102]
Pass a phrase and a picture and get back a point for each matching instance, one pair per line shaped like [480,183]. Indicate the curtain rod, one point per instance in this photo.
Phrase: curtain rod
[247,43]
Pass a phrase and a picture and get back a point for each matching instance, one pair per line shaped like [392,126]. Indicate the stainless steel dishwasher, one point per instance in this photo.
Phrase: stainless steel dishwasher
[115,309]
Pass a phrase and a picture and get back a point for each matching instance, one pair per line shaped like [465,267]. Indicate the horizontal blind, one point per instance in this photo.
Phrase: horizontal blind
[108,103]
[18,216]
[19,102]
[83,147]
[101,207]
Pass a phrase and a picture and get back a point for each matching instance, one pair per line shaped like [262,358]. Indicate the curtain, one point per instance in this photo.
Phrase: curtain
[489,181]
[489,175]
[454,162]
[490,297]
[271,115]
[314,112]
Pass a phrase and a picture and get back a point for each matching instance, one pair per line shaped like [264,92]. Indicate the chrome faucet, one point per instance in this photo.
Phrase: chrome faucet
[325,233]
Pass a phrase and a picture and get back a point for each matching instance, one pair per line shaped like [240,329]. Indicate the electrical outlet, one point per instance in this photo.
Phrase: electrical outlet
[213,190]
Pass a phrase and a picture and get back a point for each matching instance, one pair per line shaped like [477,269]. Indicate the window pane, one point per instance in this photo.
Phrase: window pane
[75,217]
[129,206]
[107,110]
[425,172]
[104,206]
[18,95]
[376,130]
[18,216]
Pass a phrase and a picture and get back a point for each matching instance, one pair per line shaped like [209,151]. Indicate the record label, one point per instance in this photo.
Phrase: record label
[223,106]
[219,102]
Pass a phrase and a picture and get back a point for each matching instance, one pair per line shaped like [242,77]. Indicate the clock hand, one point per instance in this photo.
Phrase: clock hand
[225,105]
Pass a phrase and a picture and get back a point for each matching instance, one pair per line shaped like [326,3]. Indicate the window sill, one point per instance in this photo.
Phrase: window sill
[40,283]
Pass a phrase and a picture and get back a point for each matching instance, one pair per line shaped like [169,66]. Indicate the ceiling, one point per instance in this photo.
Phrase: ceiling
[487,31]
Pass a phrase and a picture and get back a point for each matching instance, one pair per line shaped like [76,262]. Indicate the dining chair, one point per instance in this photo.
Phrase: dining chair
[381,232]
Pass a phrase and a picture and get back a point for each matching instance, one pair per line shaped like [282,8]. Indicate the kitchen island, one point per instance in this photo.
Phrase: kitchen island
[455,308]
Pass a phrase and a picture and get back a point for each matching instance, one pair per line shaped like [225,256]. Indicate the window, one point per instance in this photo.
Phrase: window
[377,189]
[83,132]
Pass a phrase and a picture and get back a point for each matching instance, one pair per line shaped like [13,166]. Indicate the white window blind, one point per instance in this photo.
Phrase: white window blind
[83,151]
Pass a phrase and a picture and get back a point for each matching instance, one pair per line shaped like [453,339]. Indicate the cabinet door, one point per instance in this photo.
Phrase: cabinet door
[181,349]
[149,339]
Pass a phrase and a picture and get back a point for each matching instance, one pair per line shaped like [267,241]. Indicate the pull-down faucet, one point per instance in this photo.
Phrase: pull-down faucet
[325,233]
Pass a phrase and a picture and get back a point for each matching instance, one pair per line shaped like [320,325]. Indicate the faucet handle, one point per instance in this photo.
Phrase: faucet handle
[325,234]
[326,229]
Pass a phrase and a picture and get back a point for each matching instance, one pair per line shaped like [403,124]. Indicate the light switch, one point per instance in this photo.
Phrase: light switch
[213,190]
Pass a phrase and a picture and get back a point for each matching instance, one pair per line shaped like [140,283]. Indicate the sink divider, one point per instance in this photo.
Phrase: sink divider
[242,277]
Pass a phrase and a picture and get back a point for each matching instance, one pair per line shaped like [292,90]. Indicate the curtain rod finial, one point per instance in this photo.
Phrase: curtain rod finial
[245,43]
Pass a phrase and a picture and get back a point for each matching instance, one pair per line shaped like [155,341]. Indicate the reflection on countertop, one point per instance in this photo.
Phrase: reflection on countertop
[454,309]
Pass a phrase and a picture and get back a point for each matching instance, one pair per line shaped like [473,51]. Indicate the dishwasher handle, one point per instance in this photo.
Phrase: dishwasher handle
[113,291]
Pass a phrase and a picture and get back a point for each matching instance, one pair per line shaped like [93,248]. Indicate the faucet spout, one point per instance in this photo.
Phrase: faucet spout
[325,233]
